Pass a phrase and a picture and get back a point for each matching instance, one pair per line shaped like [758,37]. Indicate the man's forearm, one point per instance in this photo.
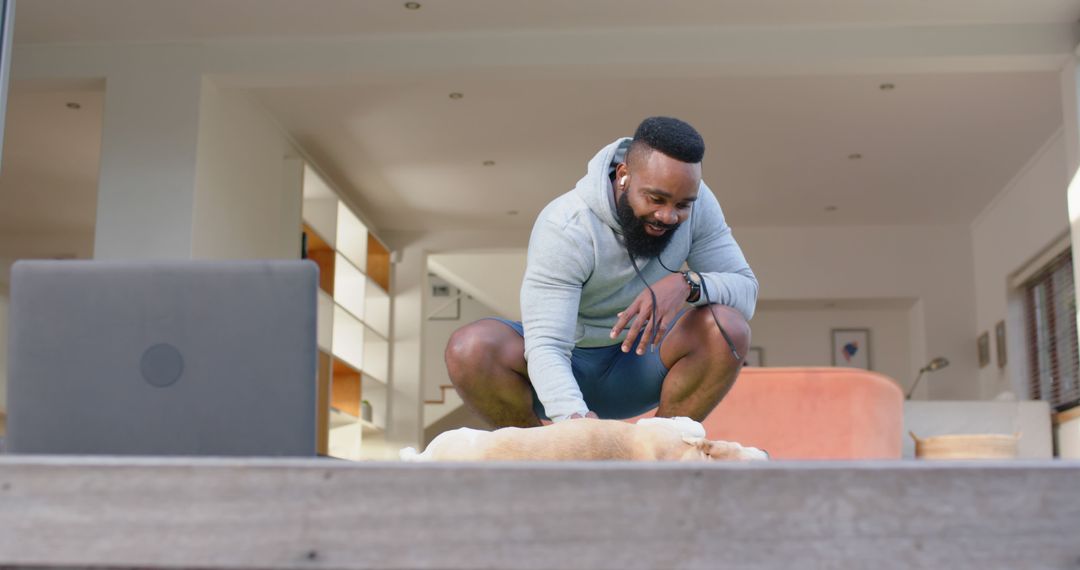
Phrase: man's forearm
[554,382]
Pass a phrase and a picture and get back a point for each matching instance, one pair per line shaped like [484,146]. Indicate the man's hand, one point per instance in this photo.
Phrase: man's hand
[671,293]
[577,416]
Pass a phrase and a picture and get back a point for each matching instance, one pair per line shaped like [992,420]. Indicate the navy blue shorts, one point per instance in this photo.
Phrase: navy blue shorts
[615,384]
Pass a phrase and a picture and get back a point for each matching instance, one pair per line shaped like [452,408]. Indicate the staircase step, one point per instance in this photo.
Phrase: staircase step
[435,410]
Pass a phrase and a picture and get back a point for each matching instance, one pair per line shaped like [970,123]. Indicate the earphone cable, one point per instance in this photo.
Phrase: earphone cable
[704,291]
[652,316]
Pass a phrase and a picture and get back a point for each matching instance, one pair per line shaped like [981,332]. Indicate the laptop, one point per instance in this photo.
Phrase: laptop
[204,358]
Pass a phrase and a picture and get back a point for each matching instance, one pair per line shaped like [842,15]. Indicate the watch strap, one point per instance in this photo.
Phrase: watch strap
[695,287]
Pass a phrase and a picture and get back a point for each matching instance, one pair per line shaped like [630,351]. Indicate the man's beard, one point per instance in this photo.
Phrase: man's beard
[638,243]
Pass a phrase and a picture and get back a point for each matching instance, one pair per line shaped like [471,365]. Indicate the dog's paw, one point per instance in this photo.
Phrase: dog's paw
[731,451]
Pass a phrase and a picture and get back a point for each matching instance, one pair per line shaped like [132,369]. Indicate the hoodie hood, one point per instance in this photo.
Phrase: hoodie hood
[595,187]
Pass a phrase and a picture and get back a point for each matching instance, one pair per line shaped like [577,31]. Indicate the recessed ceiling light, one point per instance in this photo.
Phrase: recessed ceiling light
[511,212]
[74,105]
[489,163]
[887,86]
[412,5]
[456,95]
[854,156]
[831,208]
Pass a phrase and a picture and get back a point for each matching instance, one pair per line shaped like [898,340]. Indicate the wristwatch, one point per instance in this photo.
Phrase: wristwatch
[693,279]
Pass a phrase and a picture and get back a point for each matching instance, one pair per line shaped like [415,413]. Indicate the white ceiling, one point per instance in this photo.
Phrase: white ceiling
[935,149]
[45,21]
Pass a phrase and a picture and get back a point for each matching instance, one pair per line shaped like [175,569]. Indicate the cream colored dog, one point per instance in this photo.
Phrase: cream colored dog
[650,439]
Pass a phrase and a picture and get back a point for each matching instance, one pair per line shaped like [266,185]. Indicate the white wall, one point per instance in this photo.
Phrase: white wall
[405,424]
[492,277]
[929,267]
[48,245]
[1026,217]
[930,264]
[146,182]
[436,335]
[802,337]
[243,207]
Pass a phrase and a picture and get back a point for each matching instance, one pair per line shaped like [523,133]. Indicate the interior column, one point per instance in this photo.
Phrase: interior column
[146,185]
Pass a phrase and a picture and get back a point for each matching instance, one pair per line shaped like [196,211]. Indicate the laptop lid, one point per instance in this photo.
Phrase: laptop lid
[162,358]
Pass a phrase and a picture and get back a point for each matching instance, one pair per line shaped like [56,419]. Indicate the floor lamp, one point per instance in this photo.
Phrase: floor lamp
[935,364]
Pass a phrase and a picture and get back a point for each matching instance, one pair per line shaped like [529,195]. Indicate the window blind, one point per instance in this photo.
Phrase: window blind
[1050,315]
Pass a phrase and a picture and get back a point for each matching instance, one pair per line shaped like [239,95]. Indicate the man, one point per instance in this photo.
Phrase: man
[604,330]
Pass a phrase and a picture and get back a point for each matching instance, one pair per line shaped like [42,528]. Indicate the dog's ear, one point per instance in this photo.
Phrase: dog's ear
[700,448]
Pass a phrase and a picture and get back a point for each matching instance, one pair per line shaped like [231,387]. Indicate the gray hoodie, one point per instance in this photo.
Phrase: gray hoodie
[578,276]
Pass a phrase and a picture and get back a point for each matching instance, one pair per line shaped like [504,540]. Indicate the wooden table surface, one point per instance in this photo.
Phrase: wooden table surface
[264,513]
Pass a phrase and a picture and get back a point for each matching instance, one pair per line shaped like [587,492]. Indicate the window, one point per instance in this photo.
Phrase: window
[1050,312]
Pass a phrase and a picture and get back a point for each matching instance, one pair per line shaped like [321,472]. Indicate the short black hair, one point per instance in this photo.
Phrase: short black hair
[670,136]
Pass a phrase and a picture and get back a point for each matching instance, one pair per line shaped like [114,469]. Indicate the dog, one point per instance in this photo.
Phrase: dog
[586,439]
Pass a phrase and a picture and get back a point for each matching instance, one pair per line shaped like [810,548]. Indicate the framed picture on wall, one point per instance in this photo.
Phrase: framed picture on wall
[984,349]
[999,344]
[851,348]
[755,357]
[445,300]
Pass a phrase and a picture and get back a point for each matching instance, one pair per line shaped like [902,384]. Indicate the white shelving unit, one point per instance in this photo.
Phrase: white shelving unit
[353,317]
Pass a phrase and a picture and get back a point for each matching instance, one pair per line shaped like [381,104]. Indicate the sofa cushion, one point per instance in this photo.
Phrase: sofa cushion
[812,413]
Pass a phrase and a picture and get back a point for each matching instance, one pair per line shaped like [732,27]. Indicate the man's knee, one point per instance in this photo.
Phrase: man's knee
[477,346]
[467,345]
[734,325]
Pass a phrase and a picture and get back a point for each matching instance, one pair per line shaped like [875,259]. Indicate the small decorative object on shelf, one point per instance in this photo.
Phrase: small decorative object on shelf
[366,411]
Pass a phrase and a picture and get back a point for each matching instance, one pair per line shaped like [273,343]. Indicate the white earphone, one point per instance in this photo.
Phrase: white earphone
[622,181]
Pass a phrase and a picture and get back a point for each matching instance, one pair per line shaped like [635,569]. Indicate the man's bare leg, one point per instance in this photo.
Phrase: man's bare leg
[486,362]
[701,368]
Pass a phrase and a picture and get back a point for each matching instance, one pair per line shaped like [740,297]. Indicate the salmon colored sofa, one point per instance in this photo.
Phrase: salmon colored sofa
[812,413]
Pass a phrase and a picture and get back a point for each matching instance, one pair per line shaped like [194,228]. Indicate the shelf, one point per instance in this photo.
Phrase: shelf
[320,206]
[320,214]
[375,392]
[324,321]
[350,285]
[340,419]
[319,251]
[345,441]
[348,343]
[360,345]
[353,319]
[368,427]
[352,237]
[345,388]
[378,263]
[322,399]
[377,309]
